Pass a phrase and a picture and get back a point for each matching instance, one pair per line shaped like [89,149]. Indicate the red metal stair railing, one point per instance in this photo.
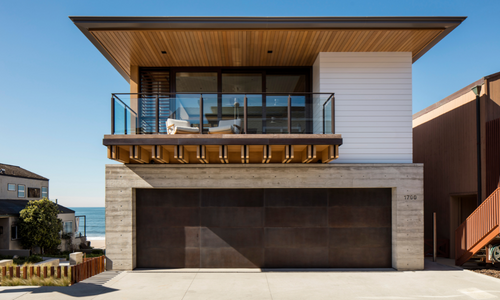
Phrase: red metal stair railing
[479,229]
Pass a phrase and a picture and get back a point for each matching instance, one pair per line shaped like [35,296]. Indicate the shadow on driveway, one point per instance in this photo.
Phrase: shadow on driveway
[77,290]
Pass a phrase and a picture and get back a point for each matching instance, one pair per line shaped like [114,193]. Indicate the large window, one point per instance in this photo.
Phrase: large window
[45,192]
[277,105]
[11,187]
[68,227]
[33,192]
[266,113]
[187,106]
[232,106]
[14,234]
[196,82]
[21,191]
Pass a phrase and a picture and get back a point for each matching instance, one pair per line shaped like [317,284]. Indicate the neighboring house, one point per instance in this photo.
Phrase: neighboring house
[228,130]
[445,139]
[18,186]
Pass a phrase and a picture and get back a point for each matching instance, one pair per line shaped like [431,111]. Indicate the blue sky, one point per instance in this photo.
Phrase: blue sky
[55,86]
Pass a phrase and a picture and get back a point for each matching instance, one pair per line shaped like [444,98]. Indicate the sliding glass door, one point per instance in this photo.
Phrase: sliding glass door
[233,104]
[277,87]
[224,90]
[189,86]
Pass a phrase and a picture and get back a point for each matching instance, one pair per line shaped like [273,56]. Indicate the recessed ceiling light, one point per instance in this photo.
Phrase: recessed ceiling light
[164,52]
[269,51]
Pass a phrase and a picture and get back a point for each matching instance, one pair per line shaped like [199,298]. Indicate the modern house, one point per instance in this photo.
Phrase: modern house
[18,186]
[458,138]
[264,141]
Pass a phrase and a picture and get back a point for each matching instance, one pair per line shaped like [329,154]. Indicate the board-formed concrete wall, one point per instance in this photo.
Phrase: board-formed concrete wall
[406,181]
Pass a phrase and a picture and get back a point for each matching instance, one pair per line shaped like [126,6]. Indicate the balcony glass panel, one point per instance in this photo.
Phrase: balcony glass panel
[300,110]
[254,111]
[310,113]
[187,108]
[124,118]
[328,117]
[188,105]
[210,110]
[233,104]
[276,114]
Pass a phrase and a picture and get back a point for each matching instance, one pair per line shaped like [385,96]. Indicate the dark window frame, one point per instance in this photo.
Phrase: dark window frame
[263,70]
[34,192]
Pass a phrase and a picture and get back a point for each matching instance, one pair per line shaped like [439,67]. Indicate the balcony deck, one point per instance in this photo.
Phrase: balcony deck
[223,148]
[142,136]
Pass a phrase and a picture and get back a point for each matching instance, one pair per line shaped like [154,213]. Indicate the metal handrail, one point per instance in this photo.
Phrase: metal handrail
[126,106]
[84,224]
[157,97]
[332,99]
[226,93]
[480,223]
[113,98]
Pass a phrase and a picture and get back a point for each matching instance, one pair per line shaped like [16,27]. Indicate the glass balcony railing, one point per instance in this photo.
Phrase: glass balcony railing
[262,113]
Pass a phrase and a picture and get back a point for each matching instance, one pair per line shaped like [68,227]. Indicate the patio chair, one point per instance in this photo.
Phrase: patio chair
[227,127]
[180,127]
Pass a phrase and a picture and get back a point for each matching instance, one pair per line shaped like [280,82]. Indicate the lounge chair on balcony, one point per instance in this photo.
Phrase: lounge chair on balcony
[180,127]
[227,127]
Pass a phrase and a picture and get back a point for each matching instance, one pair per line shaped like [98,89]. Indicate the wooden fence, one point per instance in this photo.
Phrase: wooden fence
[31,271]
[77,273]
[87,269]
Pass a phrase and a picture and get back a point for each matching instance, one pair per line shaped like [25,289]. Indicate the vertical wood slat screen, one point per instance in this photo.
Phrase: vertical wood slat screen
[153,82]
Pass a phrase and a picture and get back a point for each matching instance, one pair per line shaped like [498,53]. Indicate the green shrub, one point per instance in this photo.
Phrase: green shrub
[31,259]
[97,251]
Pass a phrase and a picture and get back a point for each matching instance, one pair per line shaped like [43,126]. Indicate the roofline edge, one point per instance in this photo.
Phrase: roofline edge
[87,23]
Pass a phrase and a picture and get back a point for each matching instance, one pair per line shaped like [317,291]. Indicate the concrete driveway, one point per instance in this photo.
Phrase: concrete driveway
[436,282]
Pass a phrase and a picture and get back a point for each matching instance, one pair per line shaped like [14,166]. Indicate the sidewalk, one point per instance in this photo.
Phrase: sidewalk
[439,280]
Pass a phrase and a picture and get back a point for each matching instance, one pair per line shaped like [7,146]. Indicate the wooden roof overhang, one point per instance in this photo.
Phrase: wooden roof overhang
[223,148]
[245,41]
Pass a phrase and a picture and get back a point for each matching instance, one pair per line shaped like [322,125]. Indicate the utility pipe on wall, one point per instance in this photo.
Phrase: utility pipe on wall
[434,239]
[477,91]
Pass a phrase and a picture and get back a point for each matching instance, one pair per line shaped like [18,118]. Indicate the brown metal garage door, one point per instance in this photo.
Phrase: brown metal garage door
[273,228]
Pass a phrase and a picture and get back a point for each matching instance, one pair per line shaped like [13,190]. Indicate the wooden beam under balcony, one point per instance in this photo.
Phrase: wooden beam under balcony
[222,139]
[223,149]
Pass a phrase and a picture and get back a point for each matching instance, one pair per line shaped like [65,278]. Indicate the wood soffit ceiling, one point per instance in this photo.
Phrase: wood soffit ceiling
[140,41]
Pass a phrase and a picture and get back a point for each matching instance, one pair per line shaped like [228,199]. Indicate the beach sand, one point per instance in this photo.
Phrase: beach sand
[98,244]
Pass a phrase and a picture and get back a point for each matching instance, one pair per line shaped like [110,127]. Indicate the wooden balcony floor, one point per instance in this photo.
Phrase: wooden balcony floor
[223,148]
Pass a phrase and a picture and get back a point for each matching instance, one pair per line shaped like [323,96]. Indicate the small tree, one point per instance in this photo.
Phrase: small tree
[39,226]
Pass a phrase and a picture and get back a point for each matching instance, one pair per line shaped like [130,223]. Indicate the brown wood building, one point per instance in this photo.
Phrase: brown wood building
[444,139]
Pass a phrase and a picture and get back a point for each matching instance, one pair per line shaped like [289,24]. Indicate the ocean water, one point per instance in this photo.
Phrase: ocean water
[96,225]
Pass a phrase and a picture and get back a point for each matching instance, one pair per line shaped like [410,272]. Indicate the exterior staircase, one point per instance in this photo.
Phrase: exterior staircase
[480,229]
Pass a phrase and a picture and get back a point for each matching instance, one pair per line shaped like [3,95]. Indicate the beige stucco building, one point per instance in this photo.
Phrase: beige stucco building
[18,186]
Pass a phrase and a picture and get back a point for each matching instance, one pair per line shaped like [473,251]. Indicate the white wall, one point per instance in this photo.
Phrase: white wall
[373,104]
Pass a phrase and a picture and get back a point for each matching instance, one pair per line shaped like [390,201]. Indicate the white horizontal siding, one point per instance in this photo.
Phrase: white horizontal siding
[373,94]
